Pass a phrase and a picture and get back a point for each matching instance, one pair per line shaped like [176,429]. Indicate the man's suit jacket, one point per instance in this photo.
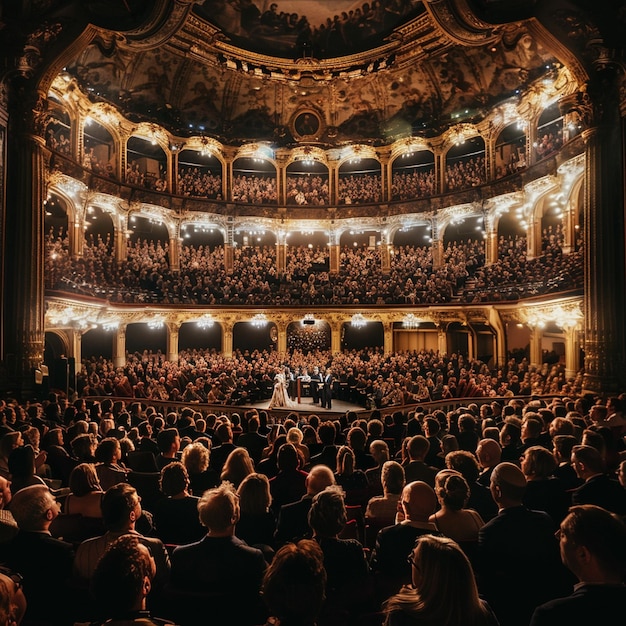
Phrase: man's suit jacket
[46,565]
[602,491]
[589,604]
[519,564]
[328,457]
[293,521]
[254,444]
[219,454]
[219,564]
[219,576]
[418,470]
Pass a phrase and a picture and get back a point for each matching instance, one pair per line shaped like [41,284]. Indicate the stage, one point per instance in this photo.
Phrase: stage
[339,407]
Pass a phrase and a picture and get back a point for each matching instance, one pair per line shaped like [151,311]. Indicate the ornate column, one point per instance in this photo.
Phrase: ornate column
[173,328]
[536,355]
[436,244]
[442,339]
[281,327]
[229,249]
[174,247]
[605,274]
[76,342]
[572,349]
[388,346]
[119,346]
[23,225]
[335,335]
[227,337]
[281,251]
[385,252]
[491,242]
[334,252]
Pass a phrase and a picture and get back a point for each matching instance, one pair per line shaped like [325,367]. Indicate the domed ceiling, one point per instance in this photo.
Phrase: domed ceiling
[370,72]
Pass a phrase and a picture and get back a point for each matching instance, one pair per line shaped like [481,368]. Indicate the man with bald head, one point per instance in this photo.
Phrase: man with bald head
[518,553]
[395,543]
[293,518]
[489,454]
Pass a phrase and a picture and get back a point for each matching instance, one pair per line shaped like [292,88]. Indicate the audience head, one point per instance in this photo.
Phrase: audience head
[419,501]
[83,480]
[508,485]
[587,461]
[195,458]
[174,479]
[218,509]
[537,463]
[593,544]
[327,516]
[12,598]
[392,477]
[318,479]
[418,447]
[464,462]
[168,441]
[254,494]
[379,451]
[123,577]
[489,453]
[121,507]
[287,459]
[294,584]
[237,466]
[451,489]
[34,508]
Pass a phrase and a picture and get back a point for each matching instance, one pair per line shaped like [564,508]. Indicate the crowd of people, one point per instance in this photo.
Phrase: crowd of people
[359,188]
[550,141]
[511,512]
[412,185]
[141,177]
[145,275]
[254,189]
[307,190]
[196,182]
[465,172]
[366,377]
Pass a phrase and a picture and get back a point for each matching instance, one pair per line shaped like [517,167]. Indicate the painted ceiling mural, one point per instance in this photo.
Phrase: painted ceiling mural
[317,28]
[188,96]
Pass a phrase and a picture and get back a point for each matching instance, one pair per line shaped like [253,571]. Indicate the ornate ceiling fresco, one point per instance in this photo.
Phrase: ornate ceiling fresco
[368,71]
[413,78]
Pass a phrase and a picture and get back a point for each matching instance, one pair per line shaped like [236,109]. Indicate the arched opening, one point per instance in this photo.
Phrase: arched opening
[510,151]
[465,165]
[199,175]
[146,164]
[254,181]
[372,335]
[549,132]
[99,149]
[413,175]
[359,182]
[307,183]
[307,337]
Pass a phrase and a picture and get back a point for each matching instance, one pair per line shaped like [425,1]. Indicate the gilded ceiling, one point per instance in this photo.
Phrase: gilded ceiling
[377,96]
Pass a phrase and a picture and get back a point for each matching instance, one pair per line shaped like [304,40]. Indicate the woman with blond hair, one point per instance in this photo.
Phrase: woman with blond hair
[238,465]
[353,481]
[195,458]
[444,589]
[256,523]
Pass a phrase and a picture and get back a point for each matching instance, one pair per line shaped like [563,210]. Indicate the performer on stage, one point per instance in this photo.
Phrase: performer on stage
[316,385]
[327,389]
[280,396]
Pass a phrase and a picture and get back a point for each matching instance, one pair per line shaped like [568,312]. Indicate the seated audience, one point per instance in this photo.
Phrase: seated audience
[221,564]
[176,515]
[444,589]
[121,583]
[257,522]
[44,562]
[294,585]
[593,547]
[196,458]
[85,497]
[381,510]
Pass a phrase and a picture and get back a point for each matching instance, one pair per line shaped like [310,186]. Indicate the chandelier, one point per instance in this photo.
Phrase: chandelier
[259,320]
[410,321]
[206,321]
[309,319]
[358,321]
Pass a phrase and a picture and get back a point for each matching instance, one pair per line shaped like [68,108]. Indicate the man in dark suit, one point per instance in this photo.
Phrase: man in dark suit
[416,468]
[220,453]
[328,456]
[518,555]
[44,562]
[221,563]
[252,441]
[316,385]
[327,390]
[593,547]
[293,519]
[395,543]
[598,488]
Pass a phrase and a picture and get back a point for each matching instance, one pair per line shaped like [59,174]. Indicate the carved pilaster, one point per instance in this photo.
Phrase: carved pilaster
[605,285]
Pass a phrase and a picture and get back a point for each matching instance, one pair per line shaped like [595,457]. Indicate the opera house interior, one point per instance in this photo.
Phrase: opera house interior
[437,175]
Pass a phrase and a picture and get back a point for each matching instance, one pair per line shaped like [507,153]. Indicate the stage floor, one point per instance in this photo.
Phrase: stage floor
[339,407]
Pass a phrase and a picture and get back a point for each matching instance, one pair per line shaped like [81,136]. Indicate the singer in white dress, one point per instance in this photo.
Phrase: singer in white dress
[280,396]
